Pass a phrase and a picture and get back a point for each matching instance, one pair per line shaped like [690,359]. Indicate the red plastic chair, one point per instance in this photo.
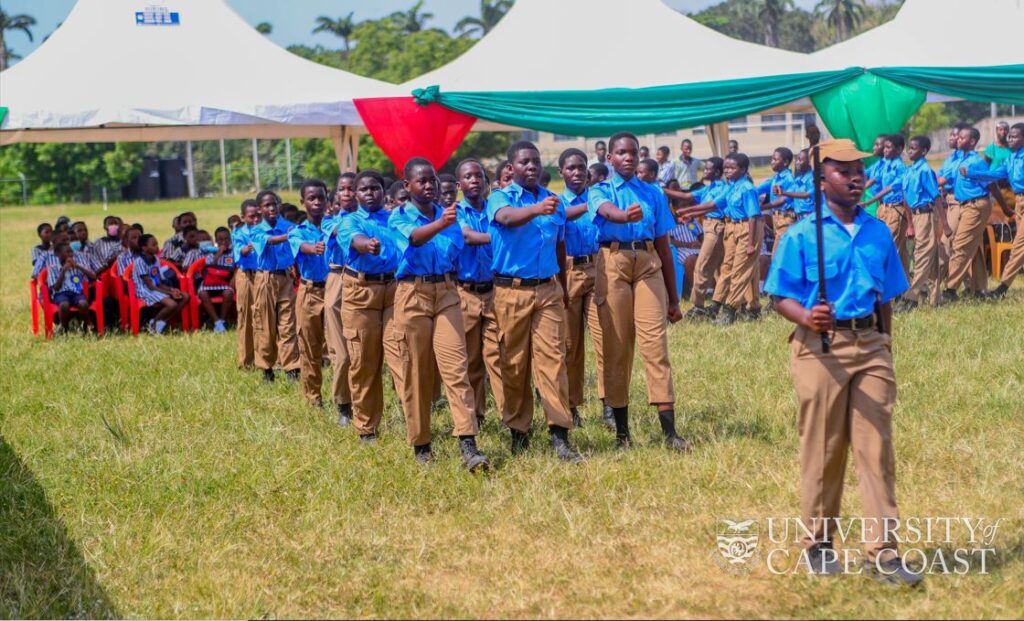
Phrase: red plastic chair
[189,286]
[34,289]
[119,291]
[135,305]
[50,309]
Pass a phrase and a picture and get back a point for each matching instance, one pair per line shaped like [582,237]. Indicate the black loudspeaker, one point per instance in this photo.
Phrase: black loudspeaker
[173,178]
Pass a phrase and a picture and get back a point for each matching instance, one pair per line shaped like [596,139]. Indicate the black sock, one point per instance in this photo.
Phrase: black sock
[667,418]
[621,422]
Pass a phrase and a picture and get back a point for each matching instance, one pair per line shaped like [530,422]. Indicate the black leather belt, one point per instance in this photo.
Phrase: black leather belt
[729,220]
[787,212]
[278,272]
[426,278]
[639,244]
[972,201]
[316,284]
[922,210]
[388,277]
[248,272]
[860,323]
[476,287]
[1021,194]
[512,281]
[586,259]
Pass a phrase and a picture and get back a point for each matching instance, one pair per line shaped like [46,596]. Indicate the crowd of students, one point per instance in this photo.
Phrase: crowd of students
[500,287]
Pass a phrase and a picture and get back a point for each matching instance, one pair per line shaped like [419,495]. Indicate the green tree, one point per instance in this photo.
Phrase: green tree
[770,13]
[842,16]
[929,118]
[342,27]
[412,20]
[21,22]
[491,12]
[386,52]
[264,28]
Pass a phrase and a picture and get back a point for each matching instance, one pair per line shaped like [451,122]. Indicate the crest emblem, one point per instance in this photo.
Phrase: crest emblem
[737,544]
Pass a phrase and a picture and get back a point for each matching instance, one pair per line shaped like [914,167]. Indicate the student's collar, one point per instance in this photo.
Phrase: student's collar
[419,213]
[617,179]
[465,204]
[570,196]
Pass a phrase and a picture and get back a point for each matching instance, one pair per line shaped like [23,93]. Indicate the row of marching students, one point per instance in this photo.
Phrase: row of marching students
[499,285]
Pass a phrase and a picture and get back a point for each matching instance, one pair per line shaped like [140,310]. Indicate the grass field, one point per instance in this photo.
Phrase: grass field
[148,477]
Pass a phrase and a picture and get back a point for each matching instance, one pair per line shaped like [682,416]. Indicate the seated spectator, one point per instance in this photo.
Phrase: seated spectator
[80,241]
[151,289]
[217,279]
[130,249]
[173,250]
[686,239]
[59,236]
[45,233]
[66,277]
[106,248]
[190,251]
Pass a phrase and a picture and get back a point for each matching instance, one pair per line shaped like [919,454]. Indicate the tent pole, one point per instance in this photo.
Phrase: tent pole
[338,140]
[255,165]
[190,169]
[288,158]
[993,111]
[223,171]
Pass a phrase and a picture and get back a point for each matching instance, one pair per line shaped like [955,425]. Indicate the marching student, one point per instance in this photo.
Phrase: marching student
[428,320]
[273,294]
[244,254]
[597,173]
[449,189]
[345,201]
[307,243]
[924,202]
[581,261]
[975,209]
[635,288]
[779,206]
[528,238]
[847,393]
[803,189]
[476,288]
[890,195]
[368,313]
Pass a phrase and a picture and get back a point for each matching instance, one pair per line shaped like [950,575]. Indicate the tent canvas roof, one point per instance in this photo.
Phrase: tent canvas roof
[103,69]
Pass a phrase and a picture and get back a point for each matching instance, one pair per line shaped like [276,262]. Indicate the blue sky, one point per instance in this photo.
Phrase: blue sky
[292,20]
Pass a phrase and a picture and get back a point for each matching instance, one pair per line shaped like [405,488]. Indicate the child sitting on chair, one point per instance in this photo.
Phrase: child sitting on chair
[217,277]
[150,287]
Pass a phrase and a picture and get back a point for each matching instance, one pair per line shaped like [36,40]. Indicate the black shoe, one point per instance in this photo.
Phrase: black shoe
[770,307]
[713,310]
[479,423]
[905,306]
[472,458]
[344,414]
[577,421]
[752,315]
[293,375]
[727,318]
[608,417]
[998,292]
[667,419]
[564,450]
[949,295]
[268,376]
[325,363]
[423,454]
[520,442]
[368,438]
[697,313]
[893,572]
[822,560]
[622,428]
[439,405]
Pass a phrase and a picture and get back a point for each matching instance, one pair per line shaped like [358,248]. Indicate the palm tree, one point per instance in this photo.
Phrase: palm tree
[843,16]
[13,22]
[342,27]
[491,12]
[264,28]
[412,20]
[770,13]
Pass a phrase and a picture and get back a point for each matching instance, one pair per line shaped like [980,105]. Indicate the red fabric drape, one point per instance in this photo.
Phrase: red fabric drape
[404,129]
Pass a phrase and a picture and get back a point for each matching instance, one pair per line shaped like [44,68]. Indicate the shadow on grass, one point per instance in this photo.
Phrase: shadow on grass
[42,573]
[717,424]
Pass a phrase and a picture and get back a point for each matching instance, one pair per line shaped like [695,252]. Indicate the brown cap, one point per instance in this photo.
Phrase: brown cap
[841,150]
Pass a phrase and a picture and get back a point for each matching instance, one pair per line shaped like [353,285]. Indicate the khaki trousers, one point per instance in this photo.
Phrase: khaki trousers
[925,281]
[978,280]
[895,217]
[744,269]
[243,301]
[712,250]
[846,401]
[1016,261]
[632,304]
[967,243]
[369,319]
[580,316]
[273,321]
[310,316]
[335,338]
[781,223]
[428,328]
[532,335]
[483,356]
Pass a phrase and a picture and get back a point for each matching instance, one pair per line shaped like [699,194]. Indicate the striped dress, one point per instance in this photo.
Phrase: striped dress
[124,259]
[104,249]
[144,268]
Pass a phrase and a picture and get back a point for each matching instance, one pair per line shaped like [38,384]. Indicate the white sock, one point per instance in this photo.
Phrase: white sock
[160,325]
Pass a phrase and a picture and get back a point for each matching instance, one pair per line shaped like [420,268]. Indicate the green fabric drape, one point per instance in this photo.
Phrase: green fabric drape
[1001,84]
[642,110]
[867,106]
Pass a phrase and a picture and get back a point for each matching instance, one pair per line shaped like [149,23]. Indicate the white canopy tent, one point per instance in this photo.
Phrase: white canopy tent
[148,70]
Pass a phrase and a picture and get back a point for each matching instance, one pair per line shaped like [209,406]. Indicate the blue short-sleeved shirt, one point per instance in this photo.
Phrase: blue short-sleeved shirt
[969,187]
[874,173]
[710,193]
[475,261]
[240,238]
[622,193]
[438,256]
[920,185]
[861,268]
[374,225]
[739,201]
[785,181]
[1011,168]
[804,183]
[271,257]
[892,177]
[580,234]
[530,250]
[335,252]
[949,166]
[311,266]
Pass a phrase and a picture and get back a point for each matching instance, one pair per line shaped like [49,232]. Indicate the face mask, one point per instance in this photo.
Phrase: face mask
[208,247]
[76,246]
[113,230]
